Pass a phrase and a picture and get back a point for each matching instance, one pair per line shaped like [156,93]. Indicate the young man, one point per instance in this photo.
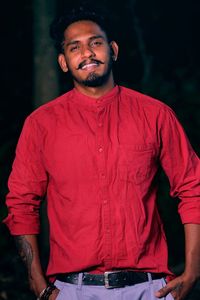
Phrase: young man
[95,152]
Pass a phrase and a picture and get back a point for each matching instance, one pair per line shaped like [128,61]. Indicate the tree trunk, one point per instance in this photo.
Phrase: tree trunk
[46,83]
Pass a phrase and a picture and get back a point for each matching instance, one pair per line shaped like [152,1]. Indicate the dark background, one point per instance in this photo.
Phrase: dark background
[159,55]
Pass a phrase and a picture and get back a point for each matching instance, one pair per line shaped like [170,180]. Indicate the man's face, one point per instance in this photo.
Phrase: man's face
[87,54]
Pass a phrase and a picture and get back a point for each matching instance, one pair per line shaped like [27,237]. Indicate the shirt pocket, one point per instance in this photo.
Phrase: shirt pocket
[135,162]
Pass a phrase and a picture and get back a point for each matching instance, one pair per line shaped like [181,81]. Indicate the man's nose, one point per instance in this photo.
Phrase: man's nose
[86,51]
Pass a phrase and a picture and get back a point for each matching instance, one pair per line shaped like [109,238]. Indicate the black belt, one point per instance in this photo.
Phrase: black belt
[111,279]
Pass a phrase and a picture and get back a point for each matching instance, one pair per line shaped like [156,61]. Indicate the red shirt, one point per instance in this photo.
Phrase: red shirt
[96,160]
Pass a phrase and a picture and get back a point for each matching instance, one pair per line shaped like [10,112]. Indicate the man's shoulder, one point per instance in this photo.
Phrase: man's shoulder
[52,107]
[142,99]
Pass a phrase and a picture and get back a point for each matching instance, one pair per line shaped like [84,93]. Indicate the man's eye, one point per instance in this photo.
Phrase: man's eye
[96,43]
[74,48]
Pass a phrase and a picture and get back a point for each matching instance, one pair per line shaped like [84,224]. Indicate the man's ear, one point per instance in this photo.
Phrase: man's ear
[114,50]
[62,62]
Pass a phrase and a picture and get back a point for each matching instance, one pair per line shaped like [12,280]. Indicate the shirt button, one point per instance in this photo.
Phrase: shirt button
[100,149]
[105,202]
[103,175]
[100,124]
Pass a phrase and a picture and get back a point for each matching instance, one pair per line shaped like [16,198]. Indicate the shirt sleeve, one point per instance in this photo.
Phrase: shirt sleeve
[27,182]
[181,165]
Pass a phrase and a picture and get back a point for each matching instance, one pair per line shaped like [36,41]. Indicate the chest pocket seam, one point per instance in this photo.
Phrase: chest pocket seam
[135,163]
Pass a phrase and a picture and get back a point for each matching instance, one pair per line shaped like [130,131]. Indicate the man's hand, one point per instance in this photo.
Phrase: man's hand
[179,287]
[54,294]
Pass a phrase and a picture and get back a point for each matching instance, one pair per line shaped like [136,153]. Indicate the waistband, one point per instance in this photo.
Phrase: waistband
[110,279]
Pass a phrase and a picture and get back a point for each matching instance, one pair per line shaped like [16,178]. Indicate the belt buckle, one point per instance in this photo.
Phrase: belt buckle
[106,280]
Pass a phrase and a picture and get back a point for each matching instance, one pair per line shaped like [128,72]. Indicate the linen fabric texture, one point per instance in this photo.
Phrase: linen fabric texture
[96,161]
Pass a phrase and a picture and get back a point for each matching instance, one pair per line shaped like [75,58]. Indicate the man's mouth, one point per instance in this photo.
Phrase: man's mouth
[89,65]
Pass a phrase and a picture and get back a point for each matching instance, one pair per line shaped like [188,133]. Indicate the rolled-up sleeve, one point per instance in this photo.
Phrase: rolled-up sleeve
[182,166]
[27,182]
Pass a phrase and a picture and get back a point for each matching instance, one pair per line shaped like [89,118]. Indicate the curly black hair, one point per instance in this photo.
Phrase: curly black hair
[60,24]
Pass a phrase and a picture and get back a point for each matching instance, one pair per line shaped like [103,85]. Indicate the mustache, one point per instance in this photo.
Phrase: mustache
[83,63]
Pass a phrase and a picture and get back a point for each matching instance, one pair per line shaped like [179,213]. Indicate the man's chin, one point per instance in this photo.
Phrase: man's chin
[95,80]
[93,83]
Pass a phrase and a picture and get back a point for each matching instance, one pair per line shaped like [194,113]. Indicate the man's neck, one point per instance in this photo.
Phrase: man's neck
[95,92]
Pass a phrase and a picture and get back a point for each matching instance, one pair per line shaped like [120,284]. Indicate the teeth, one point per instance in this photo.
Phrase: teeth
[89,66]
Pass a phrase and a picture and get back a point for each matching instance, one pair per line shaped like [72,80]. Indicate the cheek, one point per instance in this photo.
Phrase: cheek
[72,61]
[107,56]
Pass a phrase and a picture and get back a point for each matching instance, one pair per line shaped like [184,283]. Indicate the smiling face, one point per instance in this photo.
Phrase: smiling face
[87,55]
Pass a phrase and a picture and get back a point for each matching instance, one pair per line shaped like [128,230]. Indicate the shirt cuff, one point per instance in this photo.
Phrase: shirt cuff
[18,228]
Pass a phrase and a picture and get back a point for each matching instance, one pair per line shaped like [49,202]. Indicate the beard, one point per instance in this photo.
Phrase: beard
[93,79]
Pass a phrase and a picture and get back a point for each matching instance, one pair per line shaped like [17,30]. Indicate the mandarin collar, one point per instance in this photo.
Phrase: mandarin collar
[94,103]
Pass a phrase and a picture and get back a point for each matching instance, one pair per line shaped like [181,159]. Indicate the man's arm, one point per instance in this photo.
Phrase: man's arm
[181,286]
[28,250]
[182,167]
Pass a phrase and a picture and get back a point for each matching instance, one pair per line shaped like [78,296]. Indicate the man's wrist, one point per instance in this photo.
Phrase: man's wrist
[192,270]
[46,293]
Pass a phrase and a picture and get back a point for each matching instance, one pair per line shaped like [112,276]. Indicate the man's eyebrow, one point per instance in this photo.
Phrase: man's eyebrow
[70,43]
[97,37]
[77,41]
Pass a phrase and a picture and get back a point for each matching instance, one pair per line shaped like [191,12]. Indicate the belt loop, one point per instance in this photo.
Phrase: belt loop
[149,277]
[80,280]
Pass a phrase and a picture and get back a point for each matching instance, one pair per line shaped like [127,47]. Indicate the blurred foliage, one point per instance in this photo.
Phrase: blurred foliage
[159,56]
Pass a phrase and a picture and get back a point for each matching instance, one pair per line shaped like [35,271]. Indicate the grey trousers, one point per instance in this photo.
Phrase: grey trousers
[142,291]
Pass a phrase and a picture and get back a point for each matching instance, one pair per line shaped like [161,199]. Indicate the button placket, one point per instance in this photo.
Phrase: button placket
[103,188]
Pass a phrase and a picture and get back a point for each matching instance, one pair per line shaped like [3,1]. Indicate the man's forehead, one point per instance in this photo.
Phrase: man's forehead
[83,29]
